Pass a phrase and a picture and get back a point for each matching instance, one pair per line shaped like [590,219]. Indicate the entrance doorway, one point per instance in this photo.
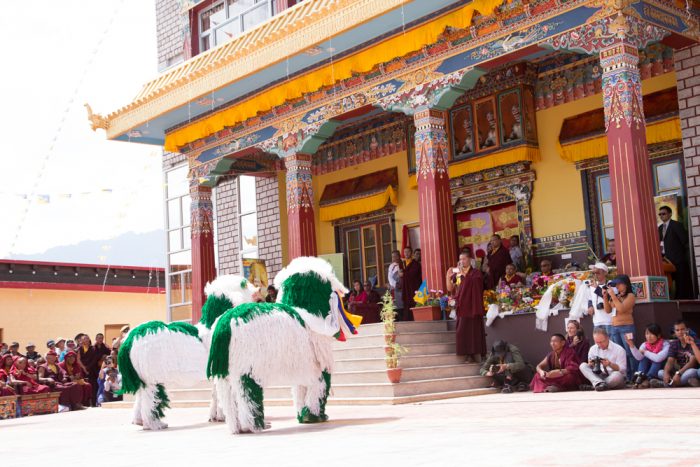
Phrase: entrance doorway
[112,331]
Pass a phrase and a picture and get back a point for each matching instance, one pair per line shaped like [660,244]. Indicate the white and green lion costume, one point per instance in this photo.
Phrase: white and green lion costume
[286,343]
[156,355]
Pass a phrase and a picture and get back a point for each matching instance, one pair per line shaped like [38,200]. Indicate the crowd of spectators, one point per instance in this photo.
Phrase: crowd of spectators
[575,364]
[85,374]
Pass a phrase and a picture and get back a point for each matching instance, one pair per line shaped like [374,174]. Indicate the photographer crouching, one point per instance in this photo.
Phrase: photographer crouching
[607,364]
[506,365]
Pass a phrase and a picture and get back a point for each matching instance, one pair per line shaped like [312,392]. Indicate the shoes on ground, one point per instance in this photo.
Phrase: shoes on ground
[507,389]
[522,387]
[656,383]
[585,387]
[601,387]
[552,389]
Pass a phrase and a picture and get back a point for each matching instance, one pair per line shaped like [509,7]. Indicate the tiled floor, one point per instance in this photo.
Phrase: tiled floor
[646,427]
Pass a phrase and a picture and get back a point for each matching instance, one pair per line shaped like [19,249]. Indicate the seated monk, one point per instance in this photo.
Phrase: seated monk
[512,278]
[5,388]
[76,374]
[371,295]
[26,379]
[546,267]
[559,369]
[52,375]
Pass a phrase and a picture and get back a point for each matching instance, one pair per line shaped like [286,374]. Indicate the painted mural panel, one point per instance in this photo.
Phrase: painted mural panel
[462,132]
[475,228]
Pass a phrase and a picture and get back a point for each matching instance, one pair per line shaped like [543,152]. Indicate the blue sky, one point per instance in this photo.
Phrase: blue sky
[60,56]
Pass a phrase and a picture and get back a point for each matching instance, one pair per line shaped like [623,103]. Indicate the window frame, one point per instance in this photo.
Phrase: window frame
[211,33]
[183,225]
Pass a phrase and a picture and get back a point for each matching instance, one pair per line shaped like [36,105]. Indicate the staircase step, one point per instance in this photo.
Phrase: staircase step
[405,338]
[407,361]
[405,326]
[408,374]
[378,351]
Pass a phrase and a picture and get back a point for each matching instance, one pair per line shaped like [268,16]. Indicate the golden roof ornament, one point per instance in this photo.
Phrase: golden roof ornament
[96,120]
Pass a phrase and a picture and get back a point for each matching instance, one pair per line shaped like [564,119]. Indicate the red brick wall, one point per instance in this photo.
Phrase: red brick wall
[687,64]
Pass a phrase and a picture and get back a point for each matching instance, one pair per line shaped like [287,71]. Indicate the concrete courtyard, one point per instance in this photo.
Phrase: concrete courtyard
[646,427]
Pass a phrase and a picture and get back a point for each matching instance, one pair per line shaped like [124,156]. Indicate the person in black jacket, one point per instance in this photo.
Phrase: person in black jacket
[674,246]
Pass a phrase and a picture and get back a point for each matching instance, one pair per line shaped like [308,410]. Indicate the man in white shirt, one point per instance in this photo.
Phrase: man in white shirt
[612,365]
[595,300]
[394,276]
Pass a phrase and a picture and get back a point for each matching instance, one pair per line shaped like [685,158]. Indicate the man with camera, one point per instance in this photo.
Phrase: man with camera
[506,365]
[596,307]
[607,363]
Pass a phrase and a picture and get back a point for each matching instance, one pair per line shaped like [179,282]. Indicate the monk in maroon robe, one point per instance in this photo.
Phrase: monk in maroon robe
[496,261]
[469,285]
[559,369]
[5,369]
[412,279]
[76,374]
[25,378]
[52,375]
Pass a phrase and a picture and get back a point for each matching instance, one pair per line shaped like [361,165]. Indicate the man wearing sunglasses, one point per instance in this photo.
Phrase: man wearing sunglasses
[674,246]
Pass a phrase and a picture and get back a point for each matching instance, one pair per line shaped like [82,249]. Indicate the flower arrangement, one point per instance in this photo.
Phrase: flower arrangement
[539,284]
[437,298]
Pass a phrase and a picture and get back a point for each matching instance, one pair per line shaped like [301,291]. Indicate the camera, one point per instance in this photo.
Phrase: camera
[599,306]
[597,365]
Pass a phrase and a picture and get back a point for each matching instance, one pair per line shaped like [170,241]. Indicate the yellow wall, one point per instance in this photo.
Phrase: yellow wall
[557,198]
[39,315]
[406,211]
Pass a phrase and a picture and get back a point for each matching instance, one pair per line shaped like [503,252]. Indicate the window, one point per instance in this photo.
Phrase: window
[667,175]
[248,217]
[179,259]
[605,209]
[667,178]
[368,250]
[227,19]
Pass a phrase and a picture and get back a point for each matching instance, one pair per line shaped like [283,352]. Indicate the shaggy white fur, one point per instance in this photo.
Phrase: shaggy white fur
[310,264]
[178,360]
[274,349]
[229,286]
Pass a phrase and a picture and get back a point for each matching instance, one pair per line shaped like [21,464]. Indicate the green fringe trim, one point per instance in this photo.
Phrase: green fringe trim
[217,365]
[305,416]
[185,328]
[254,393]
[131,381]
[162,402]
[213,308]
[308,291]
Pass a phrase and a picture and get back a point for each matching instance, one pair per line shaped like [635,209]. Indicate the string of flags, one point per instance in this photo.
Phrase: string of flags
[46,198]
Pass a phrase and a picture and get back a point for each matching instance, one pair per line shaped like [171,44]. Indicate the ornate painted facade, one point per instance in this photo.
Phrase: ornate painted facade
[465,100]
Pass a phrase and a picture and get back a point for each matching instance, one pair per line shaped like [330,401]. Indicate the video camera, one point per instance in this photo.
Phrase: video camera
[597,365]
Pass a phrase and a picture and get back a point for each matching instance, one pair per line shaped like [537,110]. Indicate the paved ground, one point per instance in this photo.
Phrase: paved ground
[646,427]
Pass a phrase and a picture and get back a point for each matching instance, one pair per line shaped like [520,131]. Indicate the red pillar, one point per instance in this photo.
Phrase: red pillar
[203,267]
[300,210]
[636,235]
[437,229]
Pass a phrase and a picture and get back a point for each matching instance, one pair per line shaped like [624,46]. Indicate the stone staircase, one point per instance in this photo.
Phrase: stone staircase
[431,371]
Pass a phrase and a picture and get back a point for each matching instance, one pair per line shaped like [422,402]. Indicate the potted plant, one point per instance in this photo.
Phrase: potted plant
[392,361]
[388,317]
[430,310]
